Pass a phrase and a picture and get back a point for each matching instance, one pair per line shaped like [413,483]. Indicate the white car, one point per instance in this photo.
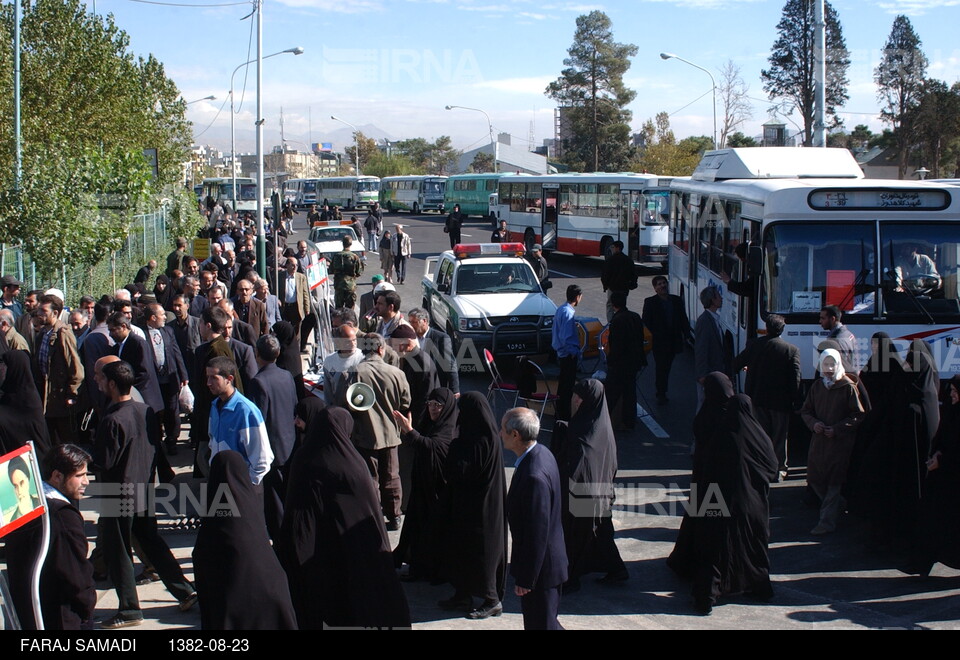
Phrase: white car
[488,294]
[329,240]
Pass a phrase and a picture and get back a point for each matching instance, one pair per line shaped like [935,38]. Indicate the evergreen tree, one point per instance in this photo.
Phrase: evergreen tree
[900,77]
[594,98]
[790,75]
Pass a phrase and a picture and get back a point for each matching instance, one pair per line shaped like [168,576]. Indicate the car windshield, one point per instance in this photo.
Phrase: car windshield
[496,278]
[324,234]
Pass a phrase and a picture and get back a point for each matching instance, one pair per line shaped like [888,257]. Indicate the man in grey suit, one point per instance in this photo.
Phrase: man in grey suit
[708,340]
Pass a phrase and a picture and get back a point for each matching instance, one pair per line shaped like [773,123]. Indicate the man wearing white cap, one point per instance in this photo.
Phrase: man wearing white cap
[401,248]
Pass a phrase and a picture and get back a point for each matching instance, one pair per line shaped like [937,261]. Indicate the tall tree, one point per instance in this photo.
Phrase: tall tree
[482,162]
[936,122]
[595,99]
[790,75]
[663,155]
[733,96]
[368,149]
[899,77]
[89,109]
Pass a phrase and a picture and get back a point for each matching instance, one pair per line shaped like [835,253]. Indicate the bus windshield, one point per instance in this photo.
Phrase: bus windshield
[368,186]
[812,265]
[657,207]
[920,268]
[248,191]
[433,187]
[309,186]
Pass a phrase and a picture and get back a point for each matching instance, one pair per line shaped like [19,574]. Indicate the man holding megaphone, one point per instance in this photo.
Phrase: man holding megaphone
[379,390]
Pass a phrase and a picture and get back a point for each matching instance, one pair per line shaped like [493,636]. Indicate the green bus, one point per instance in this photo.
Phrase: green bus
[472,192]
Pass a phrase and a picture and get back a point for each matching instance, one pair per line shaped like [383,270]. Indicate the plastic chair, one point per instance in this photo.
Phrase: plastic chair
[498,386]
[531,375]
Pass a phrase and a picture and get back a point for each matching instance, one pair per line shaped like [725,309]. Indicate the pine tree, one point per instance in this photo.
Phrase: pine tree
[790,75]
[592,91]
[900,77]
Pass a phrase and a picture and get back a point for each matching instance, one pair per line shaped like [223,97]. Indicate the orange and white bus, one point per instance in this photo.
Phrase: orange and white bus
[583,214]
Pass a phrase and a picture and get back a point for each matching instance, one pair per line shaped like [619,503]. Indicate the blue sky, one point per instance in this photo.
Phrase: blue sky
[395,64]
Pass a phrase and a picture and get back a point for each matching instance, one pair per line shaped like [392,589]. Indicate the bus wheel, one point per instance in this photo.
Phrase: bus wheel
[416,209]
[605,246]
[529,239]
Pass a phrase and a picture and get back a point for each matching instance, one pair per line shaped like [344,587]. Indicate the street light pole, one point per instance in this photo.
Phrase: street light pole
[233,136]
[205,98]
[668,56]
[356,139]
[494,144]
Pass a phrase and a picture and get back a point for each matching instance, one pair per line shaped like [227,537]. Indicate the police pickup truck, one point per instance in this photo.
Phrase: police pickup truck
[488,294]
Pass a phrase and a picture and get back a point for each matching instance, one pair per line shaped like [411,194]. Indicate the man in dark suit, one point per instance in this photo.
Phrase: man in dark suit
[242,332]
[773,383]
[275,394]
[539,560]
[171,372]
[186,330]
[665,318]
[625,359]
[135,352]
[437,344]
[708,340]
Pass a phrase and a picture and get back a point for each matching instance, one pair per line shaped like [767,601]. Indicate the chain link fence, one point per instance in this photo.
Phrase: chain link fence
[147,239]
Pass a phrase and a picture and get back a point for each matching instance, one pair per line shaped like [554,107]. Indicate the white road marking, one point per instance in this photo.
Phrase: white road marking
[563,274]
[647,418]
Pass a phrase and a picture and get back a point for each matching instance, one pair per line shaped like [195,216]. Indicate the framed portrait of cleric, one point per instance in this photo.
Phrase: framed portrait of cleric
[19,489]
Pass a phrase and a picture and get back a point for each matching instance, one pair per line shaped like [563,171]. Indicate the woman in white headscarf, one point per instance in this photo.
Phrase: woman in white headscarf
[832,412]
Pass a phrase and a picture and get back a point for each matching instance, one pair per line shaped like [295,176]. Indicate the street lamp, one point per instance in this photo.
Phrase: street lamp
[233,138]
[668,56]
[356,139]
[496,150]
[205,98]
[922,173]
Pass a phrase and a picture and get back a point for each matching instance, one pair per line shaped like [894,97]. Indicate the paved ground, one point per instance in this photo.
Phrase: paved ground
[845,580]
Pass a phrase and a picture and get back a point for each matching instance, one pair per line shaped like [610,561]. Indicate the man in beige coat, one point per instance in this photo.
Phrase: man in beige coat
[57,370]
[375,432]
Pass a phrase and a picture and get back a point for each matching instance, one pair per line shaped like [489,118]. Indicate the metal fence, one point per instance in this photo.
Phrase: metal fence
[146,238]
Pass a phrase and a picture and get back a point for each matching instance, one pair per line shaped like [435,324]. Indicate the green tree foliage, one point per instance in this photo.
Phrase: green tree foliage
[368,149]
[482,162]
[382,165]
[790,76]
[857,141]
[663,155]
[738,139]
[936,122]
[437,157]
[89,109]
[900,80]
[595,99]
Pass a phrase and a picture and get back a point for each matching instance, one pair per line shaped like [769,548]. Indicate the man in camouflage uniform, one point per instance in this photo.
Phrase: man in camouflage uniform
[346,267]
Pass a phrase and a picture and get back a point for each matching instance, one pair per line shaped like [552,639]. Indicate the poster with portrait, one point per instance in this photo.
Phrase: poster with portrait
[19,489]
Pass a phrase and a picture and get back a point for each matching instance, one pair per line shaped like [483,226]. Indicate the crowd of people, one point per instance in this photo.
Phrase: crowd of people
[316,482]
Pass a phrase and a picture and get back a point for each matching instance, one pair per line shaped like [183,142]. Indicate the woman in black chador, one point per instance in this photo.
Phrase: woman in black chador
[333,543]
[871,466]
[239,580]
[473,512]
[938,528]
[717,392]
[420,538]
[733,529]
[21,411]
[587,457]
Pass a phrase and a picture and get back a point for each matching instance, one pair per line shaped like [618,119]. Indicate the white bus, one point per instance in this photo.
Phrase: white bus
[221,190]
[348,192]
[886,253]
[414,193]
[583,214]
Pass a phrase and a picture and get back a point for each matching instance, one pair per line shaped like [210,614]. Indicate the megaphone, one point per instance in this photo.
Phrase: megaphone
[360,397]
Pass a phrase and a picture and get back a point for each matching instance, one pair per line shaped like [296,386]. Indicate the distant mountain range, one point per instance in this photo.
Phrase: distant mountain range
[342,137]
